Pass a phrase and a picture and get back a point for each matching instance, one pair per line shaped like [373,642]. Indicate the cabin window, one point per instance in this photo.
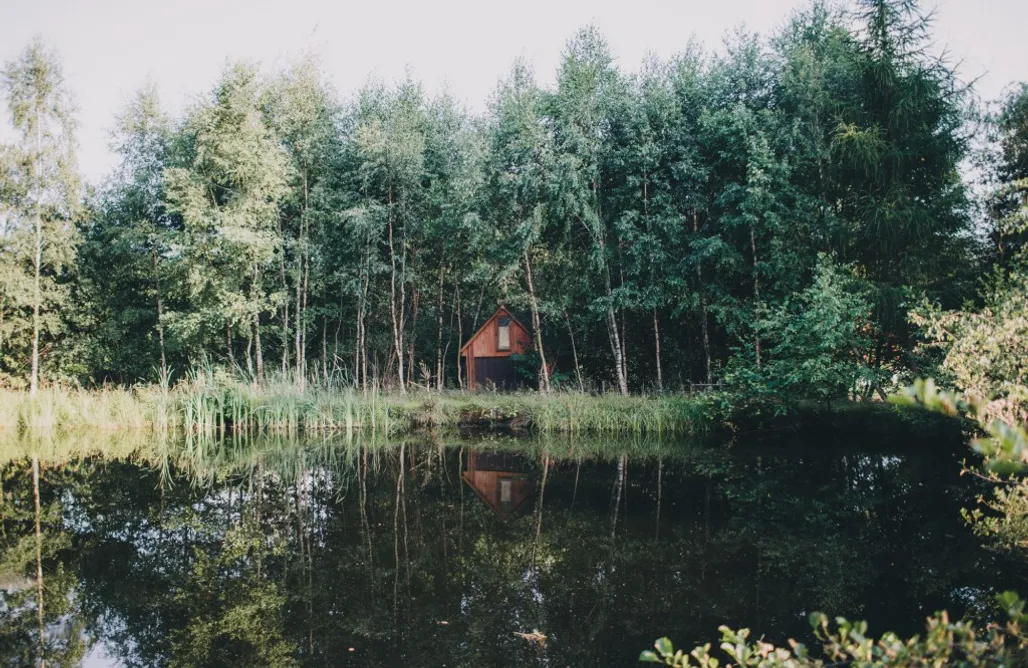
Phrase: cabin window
[503,333]
[505,488]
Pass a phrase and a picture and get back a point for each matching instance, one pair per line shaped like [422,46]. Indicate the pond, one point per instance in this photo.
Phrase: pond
[455,552]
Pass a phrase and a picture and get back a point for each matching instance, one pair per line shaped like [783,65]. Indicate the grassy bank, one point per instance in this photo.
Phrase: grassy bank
[204,405]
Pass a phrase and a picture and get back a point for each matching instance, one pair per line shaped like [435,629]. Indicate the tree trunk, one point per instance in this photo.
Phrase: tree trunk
[228,345]
[756,294]
[357,349]
[446,349]
[415,302]
[160,319]
[539,509]
[619,485]
[258,349]
[703,304]
[39,559]
[249,356]
[478,308]
[297,335]
[302,276]
[656,340]
[615,346]
[624,337]
[303,320]
[324,349]
[285,307]
[660,495]
[439,336]
[360,359]
[37,262]
[610,316]
[460,337]
[574,352]
[544,373]
[36,298]
[395,304]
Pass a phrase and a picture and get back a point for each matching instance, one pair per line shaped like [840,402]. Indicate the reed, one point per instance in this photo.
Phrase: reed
[209,403]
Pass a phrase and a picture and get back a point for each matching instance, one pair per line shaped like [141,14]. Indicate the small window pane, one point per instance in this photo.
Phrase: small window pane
[503,334]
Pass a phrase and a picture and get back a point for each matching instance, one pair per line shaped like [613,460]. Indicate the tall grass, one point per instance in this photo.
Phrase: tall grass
[208,404]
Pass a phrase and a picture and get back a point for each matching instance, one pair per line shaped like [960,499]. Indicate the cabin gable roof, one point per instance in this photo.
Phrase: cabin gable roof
[500,311]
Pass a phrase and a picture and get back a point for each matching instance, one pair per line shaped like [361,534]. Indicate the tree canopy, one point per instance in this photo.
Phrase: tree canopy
[718,215]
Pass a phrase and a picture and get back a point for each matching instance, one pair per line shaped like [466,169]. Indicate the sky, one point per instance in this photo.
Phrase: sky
[111,48]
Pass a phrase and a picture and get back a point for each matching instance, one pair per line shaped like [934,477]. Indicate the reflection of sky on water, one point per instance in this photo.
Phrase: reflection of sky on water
[98,658]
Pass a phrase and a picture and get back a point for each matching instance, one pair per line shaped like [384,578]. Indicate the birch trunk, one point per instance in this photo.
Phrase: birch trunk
[39,560]
[460,338]
[413,326]
[544,373]
[160,319]
[285,307]
[258,349]
[574,352]
[297,336]
[395,304]
[439,336]
[37,262]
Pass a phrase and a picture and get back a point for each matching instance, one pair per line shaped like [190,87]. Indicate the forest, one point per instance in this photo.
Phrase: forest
[795,214]
[777,291]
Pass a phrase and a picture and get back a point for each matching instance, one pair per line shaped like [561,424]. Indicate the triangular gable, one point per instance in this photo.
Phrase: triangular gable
[525,493]
[502,309]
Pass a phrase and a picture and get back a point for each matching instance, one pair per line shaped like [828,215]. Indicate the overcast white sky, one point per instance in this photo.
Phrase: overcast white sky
[112,47]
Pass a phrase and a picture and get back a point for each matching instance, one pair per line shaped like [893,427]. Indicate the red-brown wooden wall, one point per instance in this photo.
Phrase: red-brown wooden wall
[484,342]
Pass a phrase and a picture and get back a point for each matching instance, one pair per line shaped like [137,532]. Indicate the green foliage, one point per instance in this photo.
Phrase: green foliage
[1006,163]
[817,343]
[227,190]
[984,349]
[847,643]
[39,206]
[662,227]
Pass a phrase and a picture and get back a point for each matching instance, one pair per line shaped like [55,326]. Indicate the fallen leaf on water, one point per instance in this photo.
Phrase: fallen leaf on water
[534,637]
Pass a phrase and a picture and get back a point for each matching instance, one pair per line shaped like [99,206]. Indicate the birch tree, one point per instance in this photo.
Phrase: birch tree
[40,203]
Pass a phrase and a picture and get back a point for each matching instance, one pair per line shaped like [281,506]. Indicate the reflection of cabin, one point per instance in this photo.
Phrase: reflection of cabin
[500,480]
[487,354]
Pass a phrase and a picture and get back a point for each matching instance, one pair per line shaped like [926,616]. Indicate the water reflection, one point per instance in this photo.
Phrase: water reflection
[501,480]
[428,552]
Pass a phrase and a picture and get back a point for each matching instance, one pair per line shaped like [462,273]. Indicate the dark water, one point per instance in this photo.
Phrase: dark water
[438,554]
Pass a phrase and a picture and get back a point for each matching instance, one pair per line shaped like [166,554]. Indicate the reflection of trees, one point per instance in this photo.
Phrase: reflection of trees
[235,611]
[40,619]
[297,555]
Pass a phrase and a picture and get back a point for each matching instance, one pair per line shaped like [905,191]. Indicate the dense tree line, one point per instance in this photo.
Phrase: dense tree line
[766,214]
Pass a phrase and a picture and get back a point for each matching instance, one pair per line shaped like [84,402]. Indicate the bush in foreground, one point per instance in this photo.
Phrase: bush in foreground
[944,643]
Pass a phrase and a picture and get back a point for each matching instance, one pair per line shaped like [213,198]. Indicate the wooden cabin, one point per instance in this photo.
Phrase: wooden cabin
[487,354]
[500,480]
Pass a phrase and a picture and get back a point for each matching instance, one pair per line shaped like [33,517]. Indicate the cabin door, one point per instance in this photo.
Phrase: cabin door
[495,372]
